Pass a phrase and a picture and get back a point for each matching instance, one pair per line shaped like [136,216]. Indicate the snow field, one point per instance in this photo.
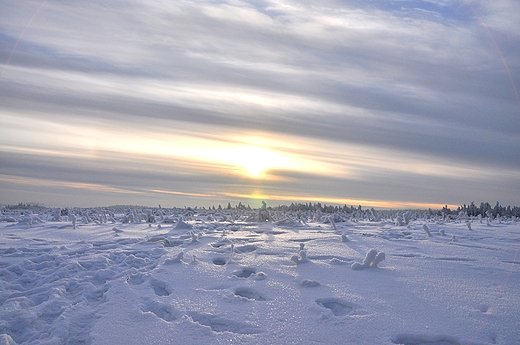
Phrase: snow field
[236,281]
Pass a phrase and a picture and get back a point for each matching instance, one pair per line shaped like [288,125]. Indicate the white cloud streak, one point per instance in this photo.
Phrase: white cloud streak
[346,92]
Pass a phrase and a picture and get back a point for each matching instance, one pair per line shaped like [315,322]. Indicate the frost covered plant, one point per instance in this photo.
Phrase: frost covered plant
[300,258]
[231,252]
[375,215]
[331,220]
[73,219]
[468,224]
[442,233]
[182,225]
[344,238]
[399,221]
[372,259]
[369,257]
[427,230]
[263,213]
[194,237]
[406,216]
[150,217]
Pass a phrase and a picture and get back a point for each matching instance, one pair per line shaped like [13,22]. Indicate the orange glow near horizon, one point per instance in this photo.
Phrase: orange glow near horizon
[384,204]
[254,196]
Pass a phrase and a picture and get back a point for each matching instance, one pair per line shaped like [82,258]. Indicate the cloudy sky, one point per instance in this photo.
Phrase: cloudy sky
[198,103]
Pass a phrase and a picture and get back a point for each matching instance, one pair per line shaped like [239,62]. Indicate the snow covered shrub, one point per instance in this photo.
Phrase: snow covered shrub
[399,221]
[406,217]
[150,217]
[381,256]
[301,257]
[263,213]
[331,220]
[442,233]
[427,230]
[181,225]
[372,259]
[369,257]
[375,215]
[344,238]
[468,224]
[231,252]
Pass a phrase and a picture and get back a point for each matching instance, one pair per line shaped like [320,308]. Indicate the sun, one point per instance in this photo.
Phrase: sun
[255,161]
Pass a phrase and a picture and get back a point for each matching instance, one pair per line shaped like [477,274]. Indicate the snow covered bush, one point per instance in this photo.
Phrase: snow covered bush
[375,215]
[399,221]
[301,257]
[231,252]
[427,230]
[263,213]
[372,259]
[406,217]
[182,225]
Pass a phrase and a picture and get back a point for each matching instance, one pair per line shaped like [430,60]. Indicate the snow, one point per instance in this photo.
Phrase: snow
[214,278]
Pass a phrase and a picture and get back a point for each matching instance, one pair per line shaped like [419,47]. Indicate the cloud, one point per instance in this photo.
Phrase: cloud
[52,183]
[406,92]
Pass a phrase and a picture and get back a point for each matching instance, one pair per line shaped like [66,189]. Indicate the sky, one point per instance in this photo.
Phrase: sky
[386,104]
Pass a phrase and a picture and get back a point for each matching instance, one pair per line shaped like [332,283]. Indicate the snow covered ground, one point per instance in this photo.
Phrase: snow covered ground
[221,277]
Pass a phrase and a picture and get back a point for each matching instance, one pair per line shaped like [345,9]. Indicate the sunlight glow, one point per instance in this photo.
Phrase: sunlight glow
[254,161]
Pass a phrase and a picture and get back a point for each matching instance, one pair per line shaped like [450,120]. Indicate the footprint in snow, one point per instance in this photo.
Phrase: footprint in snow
[244,272]
[245,249]
[338,306]
[418,339]
[136,277]
[160,288]
[248,293]
[220,261]
[220,324]
[161,310]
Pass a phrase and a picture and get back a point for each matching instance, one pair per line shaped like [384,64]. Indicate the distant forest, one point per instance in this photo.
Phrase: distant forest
[484,209]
